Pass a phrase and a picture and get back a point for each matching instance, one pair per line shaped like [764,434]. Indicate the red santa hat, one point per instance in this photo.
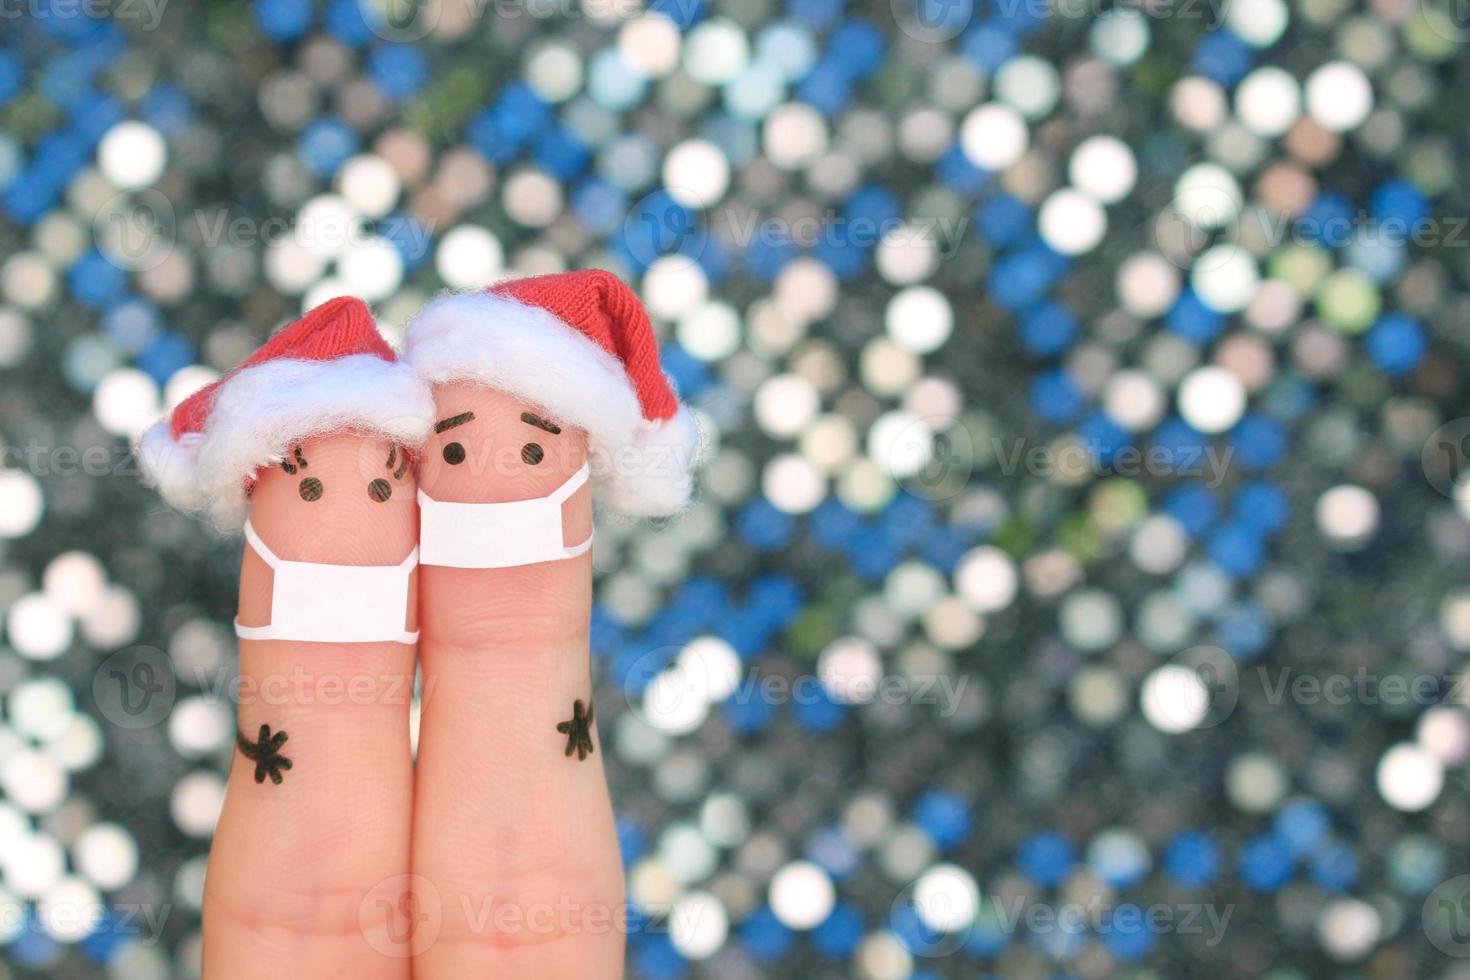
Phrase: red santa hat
[579,346]
[330,371]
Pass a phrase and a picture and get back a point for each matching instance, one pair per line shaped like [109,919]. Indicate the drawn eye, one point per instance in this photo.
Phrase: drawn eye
[532,453]
[380,490]
[310,489]
[454,454]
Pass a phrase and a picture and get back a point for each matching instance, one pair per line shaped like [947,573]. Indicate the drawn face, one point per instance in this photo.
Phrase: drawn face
[489,447]
[340,499]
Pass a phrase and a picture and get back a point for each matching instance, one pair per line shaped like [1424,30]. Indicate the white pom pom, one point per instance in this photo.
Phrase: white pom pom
[169,465]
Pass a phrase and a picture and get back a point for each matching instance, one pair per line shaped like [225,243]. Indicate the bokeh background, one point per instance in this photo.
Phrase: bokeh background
[1077,581]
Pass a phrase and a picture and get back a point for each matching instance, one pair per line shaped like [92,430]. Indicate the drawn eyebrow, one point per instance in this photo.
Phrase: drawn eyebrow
[541,423]
[289,467]
[393,456]
[450,423]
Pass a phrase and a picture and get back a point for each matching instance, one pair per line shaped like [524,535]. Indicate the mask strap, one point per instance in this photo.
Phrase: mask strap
[579,549]
[269,557]
[254,632]
[268,632]
[562,494]
[574,483]
[266,555]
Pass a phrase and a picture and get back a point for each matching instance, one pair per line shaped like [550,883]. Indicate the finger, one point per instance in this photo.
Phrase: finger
[513,824]
[309,863]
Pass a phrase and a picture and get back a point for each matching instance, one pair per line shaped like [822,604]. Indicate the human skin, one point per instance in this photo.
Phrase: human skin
[307,878]
[515,838]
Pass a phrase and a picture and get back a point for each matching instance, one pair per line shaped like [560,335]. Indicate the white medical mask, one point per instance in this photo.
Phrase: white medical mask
[316,603]
[499,535]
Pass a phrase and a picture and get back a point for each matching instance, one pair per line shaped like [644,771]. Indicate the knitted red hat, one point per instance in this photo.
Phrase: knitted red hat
[579,346]
[329,371]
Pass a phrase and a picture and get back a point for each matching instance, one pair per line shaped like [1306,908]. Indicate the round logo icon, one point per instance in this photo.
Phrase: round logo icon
[135,688]
[665,223]
[933,916]
[1198,218]
[931,456]
[1450,19]
[136,230]
[1197,688]
[401,916]
[673,688]
[934,21]
[1446,916]
[1446,456]
[401,20]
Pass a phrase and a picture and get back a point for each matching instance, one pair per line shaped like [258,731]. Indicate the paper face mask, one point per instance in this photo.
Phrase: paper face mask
[498,535]
[313,602]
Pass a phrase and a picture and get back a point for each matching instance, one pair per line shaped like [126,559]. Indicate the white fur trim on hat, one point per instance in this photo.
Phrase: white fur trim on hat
[500,342]
[261,411]
[654,475]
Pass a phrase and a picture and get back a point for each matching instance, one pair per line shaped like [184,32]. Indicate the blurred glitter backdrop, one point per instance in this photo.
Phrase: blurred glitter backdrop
[1077,583]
